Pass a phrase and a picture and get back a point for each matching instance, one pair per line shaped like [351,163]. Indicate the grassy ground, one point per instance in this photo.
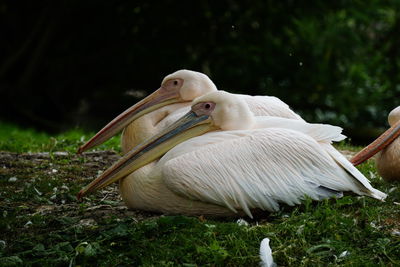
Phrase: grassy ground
[42,224]
[16,139]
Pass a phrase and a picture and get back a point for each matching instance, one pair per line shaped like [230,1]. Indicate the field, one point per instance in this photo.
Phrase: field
[42,223]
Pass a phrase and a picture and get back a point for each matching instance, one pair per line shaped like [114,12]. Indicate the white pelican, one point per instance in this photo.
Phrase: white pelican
[237,163]
[172,99]
[388,159]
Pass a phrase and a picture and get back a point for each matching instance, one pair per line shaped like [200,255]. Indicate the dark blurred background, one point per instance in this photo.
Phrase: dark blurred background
[80,63]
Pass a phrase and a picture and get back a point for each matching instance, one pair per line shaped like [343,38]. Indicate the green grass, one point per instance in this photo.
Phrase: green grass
[311,234]
[16,139]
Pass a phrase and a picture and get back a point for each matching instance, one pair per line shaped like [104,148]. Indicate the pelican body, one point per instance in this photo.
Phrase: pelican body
[220,159]
[387,150]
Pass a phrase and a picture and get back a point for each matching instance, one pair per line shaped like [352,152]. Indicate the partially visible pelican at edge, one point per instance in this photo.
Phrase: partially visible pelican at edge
[387,150]
[221,160]
[168,103]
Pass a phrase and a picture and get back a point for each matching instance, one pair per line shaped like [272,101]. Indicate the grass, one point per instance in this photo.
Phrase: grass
[42,224]
[16,139]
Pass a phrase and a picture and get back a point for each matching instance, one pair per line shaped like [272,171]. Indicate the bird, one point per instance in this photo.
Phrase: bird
[387,150]
[219,159]
[172,99]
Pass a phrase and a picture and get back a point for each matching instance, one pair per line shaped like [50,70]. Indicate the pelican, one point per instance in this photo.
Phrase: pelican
[171,100]
[387,147]
[220,159]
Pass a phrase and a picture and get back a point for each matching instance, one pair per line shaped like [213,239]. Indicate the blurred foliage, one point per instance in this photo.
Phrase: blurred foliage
[68,63]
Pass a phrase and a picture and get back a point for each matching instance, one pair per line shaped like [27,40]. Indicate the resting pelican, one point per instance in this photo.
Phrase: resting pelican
[388,159]
[172,99]
[221,160]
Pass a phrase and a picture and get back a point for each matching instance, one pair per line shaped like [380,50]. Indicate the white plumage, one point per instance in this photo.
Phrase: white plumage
[196,84]
[261,162]
[259,168]
[269,106]
[266,254]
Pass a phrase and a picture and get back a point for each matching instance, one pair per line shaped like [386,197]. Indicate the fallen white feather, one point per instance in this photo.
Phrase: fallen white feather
[391,190]
[242,222]
[12,179]
[266,254]
[396,232]
[37,191]
[344,254]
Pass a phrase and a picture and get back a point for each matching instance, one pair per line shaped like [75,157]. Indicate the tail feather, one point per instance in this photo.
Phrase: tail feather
[364,185]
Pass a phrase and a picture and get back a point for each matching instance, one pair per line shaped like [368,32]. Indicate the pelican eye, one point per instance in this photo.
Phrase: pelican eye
[175,82]
[207,106]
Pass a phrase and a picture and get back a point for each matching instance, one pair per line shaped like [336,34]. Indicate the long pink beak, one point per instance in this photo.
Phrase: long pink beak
[188,126]
[380,143]
[161,97]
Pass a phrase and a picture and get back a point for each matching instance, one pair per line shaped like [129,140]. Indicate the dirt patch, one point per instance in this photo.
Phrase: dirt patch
[45,185]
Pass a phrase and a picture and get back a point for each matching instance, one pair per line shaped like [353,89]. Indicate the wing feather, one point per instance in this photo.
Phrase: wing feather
[324,133]
[269,106]
[257,168]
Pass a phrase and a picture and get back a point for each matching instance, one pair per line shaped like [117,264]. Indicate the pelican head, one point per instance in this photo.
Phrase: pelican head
[178,87]
[188,84]
[214,111]
[382,141]
[394,116]
[226,111]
